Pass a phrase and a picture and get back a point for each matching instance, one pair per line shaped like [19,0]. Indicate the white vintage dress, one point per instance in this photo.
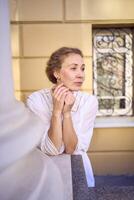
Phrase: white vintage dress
[83,115]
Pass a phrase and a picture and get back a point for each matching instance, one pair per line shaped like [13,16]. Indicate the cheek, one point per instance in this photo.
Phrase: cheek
[84,76]
[65,76]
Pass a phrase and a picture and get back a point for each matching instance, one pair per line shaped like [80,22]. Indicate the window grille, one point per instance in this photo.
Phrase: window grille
[112,66]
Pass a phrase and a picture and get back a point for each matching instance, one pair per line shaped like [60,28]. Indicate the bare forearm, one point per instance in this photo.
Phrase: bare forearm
[55,131]
[69,136]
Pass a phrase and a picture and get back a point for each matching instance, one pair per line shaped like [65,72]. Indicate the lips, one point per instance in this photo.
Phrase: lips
[78,83]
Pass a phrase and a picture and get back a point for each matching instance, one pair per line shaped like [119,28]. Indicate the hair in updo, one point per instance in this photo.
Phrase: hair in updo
[56,59]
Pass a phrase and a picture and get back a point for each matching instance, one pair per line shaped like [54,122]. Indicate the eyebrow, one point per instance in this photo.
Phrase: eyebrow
[83,65]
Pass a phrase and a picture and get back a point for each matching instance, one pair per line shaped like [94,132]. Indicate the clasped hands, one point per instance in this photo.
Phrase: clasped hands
[63,100]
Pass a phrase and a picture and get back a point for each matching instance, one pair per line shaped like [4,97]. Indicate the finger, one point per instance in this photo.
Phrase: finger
[69,98]
[62,98]
[57,87]
[60,90]
[62,93]
[59,93]
[70,94]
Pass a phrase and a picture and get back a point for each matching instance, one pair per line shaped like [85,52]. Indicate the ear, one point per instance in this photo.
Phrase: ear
[55,74]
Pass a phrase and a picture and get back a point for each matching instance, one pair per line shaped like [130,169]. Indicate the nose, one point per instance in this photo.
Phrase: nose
[80,74]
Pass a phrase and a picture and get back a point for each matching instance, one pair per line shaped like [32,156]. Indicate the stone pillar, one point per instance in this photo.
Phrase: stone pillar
[25,172]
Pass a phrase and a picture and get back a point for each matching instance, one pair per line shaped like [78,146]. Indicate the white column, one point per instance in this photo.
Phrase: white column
[25,172]
[6,82]
[20,130]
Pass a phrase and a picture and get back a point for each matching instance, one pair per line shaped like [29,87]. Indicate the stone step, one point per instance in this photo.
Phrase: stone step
[121,180]
[111,193]
[107,187]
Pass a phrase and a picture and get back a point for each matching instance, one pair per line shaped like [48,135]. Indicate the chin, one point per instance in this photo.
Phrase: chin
[74,88]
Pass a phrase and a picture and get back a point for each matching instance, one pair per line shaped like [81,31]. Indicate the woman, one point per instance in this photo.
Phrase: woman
[68,114]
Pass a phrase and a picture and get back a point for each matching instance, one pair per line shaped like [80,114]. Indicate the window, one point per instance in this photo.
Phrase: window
[112,65]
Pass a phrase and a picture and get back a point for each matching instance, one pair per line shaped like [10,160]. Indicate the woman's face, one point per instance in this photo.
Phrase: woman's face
[72,73]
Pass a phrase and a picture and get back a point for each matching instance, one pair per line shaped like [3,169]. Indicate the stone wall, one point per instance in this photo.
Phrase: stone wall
[40,27]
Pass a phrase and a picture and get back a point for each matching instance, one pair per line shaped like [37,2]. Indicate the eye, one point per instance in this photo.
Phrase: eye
[83,69]
[73,68]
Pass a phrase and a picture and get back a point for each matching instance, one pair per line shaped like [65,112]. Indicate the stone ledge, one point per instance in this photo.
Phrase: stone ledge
[80,188]
[63,163]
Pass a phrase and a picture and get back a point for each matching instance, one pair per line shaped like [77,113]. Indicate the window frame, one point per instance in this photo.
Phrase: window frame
[128,111]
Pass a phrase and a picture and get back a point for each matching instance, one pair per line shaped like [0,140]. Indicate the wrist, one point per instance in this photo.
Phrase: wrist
[67,115]
[56,114]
